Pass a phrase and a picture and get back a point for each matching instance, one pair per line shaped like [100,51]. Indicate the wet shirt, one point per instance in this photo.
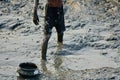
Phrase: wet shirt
[55,3]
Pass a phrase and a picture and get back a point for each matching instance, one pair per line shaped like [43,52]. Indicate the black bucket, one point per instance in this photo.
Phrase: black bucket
[28,69]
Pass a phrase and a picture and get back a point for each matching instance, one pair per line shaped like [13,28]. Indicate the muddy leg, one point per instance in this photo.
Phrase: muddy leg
[45,45]
[60,41]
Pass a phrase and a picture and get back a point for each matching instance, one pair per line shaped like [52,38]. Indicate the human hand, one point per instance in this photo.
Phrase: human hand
[35,18]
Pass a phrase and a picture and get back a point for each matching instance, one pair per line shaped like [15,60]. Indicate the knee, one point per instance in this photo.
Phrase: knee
[47,37]
[60,34]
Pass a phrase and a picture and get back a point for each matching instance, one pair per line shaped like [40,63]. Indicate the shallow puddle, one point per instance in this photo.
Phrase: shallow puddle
[50,70]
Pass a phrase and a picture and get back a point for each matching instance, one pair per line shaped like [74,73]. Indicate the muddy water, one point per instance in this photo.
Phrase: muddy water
[54,70]
[50,70]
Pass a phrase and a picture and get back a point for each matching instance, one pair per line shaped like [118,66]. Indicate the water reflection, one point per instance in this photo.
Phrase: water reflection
[57,71]
[57,62]
[43,65]
[46,73]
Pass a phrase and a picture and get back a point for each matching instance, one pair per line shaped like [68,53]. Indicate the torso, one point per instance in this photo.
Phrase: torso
[55,3]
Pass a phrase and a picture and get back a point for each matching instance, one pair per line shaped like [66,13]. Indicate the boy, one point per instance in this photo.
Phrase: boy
[54,17]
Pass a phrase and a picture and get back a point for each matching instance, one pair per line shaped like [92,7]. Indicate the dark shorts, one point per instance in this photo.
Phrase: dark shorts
[54,17]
